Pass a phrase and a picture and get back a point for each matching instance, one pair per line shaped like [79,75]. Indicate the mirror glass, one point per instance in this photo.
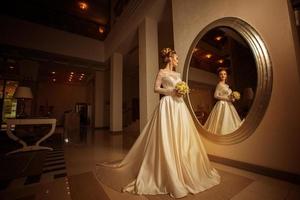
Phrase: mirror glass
[222,76]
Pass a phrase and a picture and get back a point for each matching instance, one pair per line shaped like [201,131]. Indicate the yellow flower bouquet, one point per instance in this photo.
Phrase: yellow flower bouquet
[182,88]
[236,95]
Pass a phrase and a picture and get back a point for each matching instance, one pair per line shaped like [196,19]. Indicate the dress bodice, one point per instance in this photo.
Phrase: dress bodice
[222,91]
[170,79]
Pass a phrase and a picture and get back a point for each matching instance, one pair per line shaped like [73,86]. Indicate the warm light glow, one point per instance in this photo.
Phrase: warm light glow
[208,55]
[82,74]
[220,61]
[83,5]
[52,72]
[11,67]
[195,50]
[72,72]
[54,80]
[101,29]
[218,38]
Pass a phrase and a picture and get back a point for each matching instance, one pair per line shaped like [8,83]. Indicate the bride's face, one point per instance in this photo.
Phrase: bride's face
[223,75]
[174,59]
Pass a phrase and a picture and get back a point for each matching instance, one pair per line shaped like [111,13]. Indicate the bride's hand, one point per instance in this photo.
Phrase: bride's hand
[176,93]
[231,98]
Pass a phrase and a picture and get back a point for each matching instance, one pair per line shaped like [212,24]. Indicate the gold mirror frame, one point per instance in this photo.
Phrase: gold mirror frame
[264,80]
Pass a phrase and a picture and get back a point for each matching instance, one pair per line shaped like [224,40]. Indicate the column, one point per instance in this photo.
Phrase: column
[99,98]
[116,100]
[148,68]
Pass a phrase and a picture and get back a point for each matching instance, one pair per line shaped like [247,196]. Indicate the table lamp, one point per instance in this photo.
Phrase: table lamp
[22,94]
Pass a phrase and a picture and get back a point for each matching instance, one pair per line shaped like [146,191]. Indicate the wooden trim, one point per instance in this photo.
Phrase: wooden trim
[101,128]
[274,173]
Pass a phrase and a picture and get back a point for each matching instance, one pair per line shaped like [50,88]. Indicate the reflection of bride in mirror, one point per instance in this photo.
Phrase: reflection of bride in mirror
[223,118]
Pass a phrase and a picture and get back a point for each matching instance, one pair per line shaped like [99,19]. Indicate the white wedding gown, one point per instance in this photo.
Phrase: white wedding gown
[223,119]
[168,157]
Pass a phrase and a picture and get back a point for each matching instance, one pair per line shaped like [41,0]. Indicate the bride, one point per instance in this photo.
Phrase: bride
[223,119]
[168,157]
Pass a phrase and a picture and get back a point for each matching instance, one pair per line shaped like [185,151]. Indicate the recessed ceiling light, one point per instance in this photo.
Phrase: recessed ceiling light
[83,5]
[101,29]
[220,61]
[218,38]
[208,55]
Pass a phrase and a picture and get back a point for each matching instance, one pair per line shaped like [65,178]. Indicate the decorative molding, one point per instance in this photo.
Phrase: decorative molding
[264,80]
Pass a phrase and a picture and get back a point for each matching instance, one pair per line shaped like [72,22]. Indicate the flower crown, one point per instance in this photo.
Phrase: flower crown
[165,52]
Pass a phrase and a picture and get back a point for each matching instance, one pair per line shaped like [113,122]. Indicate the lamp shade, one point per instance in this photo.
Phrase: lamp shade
[23,93]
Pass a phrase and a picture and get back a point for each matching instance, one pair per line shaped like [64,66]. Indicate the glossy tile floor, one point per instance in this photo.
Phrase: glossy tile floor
[84,151]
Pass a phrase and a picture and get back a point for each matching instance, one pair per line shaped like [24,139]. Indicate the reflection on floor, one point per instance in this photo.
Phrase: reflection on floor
[67,173]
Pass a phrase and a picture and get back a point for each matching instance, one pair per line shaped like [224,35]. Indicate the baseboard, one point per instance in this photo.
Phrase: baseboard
[283,175]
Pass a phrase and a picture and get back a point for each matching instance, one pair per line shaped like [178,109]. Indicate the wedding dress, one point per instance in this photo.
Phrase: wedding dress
[168,157]
[223,119]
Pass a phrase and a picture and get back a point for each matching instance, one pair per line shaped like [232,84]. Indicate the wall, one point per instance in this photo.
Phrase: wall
[276,139]
[128,23]
[62,97]
[34,36]
[202,76]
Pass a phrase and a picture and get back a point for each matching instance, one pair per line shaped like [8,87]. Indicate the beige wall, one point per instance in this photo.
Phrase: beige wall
[62,96]
[202,76]
[34,36]
[276,140]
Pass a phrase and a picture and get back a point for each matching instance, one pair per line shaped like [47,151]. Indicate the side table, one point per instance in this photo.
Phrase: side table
[29,121]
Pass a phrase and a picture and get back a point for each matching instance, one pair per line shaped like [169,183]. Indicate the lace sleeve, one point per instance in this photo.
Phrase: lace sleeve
[218,95]
[158,88]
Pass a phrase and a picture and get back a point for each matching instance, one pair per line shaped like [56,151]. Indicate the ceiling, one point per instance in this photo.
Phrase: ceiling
[64,15]
[216,49]
[51,72]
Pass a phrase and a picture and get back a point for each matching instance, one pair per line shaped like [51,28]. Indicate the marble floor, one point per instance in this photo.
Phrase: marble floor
[84,151]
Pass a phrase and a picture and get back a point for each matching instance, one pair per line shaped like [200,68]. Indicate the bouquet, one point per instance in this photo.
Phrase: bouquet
[236,95]
[182,88]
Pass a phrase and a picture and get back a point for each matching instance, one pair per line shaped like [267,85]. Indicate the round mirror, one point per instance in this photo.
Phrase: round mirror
[229,73]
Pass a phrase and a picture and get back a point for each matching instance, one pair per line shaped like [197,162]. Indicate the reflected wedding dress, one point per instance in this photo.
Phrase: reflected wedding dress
[223,119]
[168,157]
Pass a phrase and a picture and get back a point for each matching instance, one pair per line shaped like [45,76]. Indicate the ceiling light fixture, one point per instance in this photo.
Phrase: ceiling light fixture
[52,72]
[220,61]
[208,55]
[218,38]
[101,29]
[83,5]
